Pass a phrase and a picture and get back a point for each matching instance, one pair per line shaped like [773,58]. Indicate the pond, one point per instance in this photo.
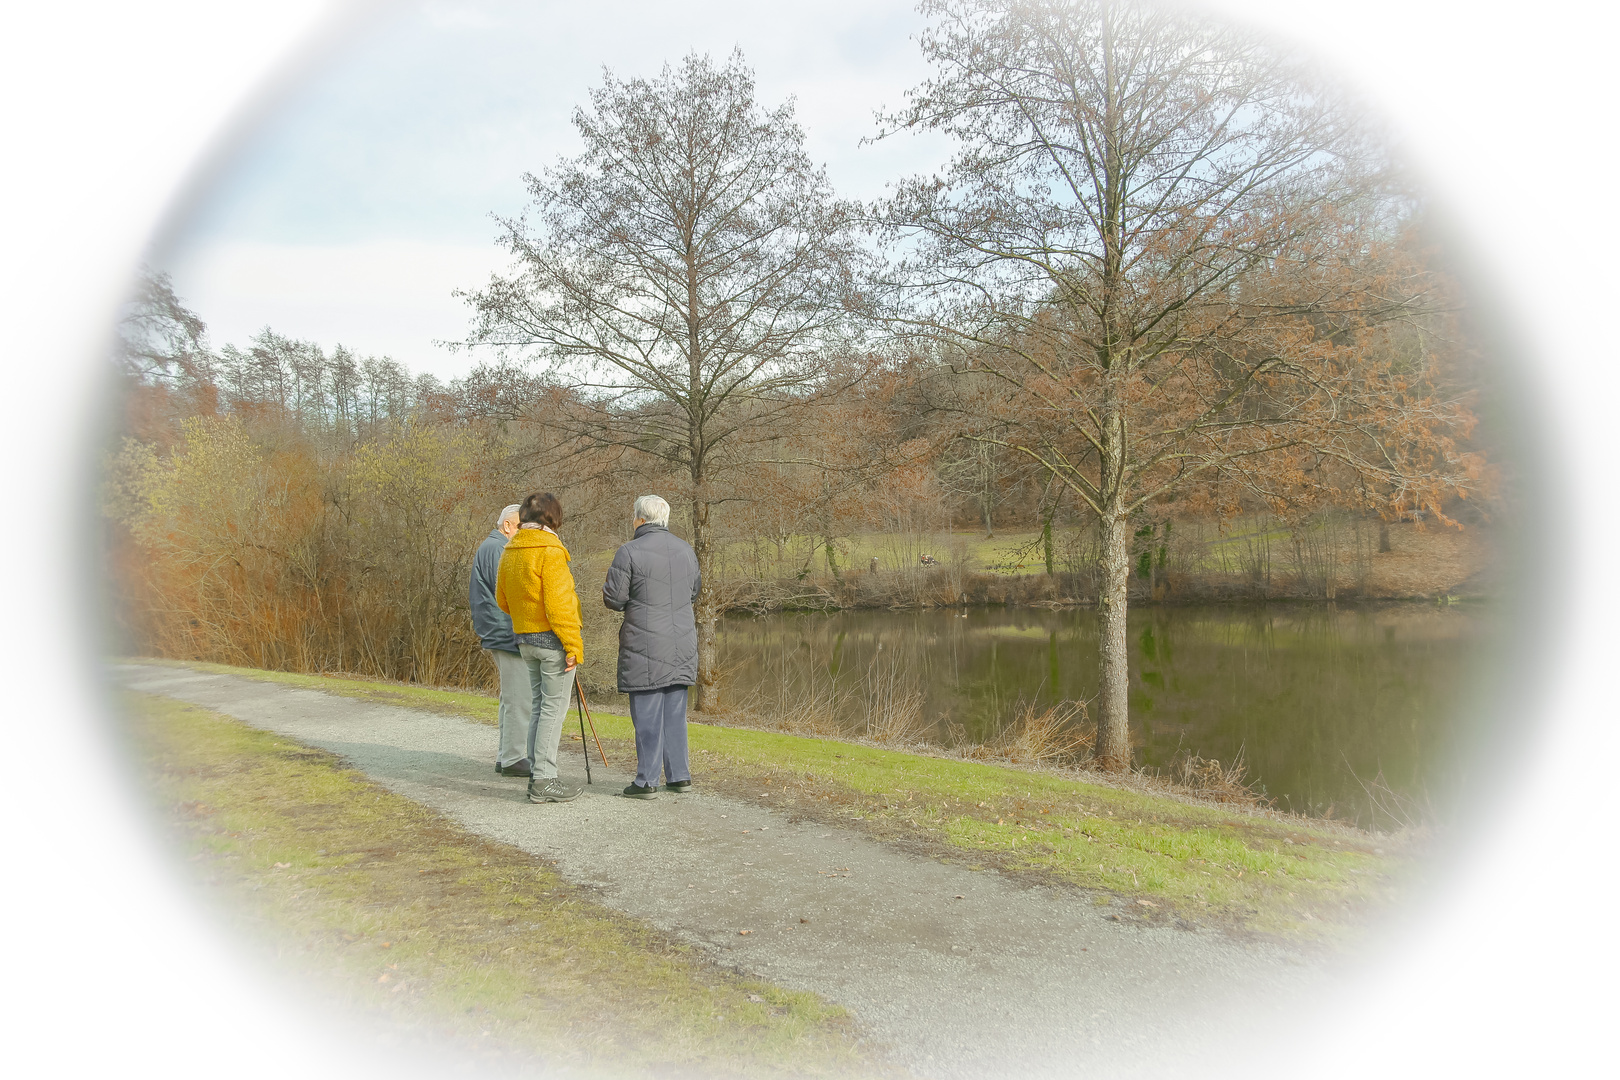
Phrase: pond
[1321,700]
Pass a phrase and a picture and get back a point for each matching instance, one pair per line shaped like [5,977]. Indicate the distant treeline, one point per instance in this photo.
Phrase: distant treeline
[291,508]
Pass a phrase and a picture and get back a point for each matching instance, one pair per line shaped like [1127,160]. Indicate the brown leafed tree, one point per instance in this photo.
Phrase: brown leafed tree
[688,272]
[1176,252]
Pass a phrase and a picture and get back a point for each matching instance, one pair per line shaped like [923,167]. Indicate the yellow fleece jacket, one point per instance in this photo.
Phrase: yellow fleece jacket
[534,585]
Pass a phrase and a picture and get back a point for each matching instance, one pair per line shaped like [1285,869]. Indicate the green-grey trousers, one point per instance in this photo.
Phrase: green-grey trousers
[552,684]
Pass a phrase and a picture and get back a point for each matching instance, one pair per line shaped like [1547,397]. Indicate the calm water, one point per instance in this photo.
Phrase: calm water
[1315,696]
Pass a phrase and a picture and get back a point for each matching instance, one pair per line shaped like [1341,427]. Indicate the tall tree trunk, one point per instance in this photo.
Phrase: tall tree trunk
[706,694]
[826,530]
[1113,748]
[1049,506]
[1046,539]
[987,493]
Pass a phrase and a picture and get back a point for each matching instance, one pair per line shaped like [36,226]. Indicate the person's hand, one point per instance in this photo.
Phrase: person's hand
[571,665]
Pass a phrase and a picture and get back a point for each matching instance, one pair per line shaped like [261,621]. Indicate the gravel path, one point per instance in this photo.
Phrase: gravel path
[959,973]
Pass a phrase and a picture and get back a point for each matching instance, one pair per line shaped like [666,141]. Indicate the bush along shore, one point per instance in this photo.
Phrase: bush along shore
[1192,849]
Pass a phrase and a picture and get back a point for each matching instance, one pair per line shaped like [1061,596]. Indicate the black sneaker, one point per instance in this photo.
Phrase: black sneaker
[678,786]
[636,791]
[553,789]
[520,767]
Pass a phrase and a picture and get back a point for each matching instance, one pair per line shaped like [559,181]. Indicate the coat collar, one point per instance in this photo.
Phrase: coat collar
[647,528]
[536,538]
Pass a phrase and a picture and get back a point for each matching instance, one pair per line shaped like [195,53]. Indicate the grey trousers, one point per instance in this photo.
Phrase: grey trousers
[659,717]
[517,706]
[552,685]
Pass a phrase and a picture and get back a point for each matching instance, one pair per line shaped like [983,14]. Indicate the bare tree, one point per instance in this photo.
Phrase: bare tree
[688,270]
[1169,244]
[160,340]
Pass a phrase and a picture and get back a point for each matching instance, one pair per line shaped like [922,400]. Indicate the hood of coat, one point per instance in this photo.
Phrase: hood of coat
[536,538]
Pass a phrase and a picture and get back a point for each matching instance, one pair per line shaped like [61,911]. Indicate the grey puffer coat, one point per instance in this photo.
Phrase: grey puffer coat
[654,579]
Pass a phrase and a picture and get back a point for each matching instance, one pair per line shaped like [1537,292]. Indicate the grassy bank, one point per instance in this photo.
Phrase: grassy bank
[399,912]
[1173,859]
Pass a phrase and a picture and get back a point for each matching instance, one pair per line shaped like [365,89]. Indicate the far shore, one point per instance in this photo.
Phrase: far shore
[1063,591]
[1424,564]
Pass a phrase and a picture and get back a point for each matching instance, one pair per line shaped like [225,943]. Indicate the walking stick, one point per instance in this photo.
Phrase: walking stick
[585,711]
[583,745]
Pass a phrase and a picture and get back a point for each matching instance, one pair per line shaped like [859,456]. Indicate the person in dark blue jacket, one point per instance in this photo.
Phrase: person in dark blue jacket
[654,580]
[494,629]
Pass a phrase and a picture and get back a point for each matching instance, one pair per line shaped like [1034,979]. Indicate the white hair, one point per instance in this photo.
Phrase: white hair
[653,510]
[510,511]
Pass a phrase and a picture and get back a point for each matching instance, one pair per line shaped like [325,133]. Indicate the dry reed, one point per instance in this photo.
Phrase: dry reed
[1209,779]
[1060,735]
[1389,807]
[892,699]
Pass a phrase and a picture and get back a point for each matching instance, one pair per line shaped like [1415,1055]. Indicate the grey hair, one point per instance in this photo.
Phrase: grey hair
[652,510]
[510,511]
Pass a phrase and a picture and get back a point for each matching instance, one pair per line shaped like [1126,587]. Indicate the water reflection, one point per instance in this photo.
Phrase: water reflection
[1314,696]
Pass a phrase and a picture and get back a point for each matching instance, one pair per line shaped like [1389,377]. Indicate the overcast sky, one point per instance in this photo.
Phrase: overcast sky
[1479,982]
[361,196]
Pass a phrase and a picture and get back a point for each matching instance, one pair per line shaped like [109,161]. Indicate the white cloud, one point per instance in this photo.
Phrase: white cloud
[362,200]
[444,15]
[418,127]
[389,298]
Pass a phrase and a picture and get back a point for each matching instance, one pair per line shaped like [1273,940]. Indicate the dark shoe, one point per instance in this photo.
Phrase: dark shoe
[517,768]
[678,786]
[636,791]
[553,789]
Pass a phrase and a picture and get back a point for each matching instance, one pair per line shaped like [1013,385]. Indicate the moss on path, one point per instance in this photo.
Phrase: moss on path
[408,913]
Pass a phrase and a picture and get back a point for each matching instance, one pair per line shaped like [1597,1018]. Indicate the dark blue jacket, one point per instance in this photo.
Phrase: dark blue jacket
[654,579]
[492,625]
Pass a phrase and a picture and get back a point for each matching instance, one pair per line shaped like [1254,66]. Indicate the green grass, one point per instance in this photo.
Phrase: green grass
[1280,876]
[1285,876]
[400,911]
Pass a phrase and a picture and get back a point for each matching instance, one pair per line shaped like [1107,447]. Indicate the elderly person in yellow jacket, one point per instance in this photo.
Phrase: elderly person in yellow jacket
[534,586]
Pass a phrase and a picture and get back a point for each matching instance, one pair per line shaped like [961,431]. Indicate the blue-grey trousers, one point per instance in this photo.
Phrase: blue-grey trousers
[517,706]
[659,717]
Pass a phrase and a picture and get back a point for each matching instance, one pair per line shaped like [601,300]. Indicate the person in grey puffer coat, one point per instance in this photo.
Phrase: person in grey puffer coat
[494,629]
[654,580]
